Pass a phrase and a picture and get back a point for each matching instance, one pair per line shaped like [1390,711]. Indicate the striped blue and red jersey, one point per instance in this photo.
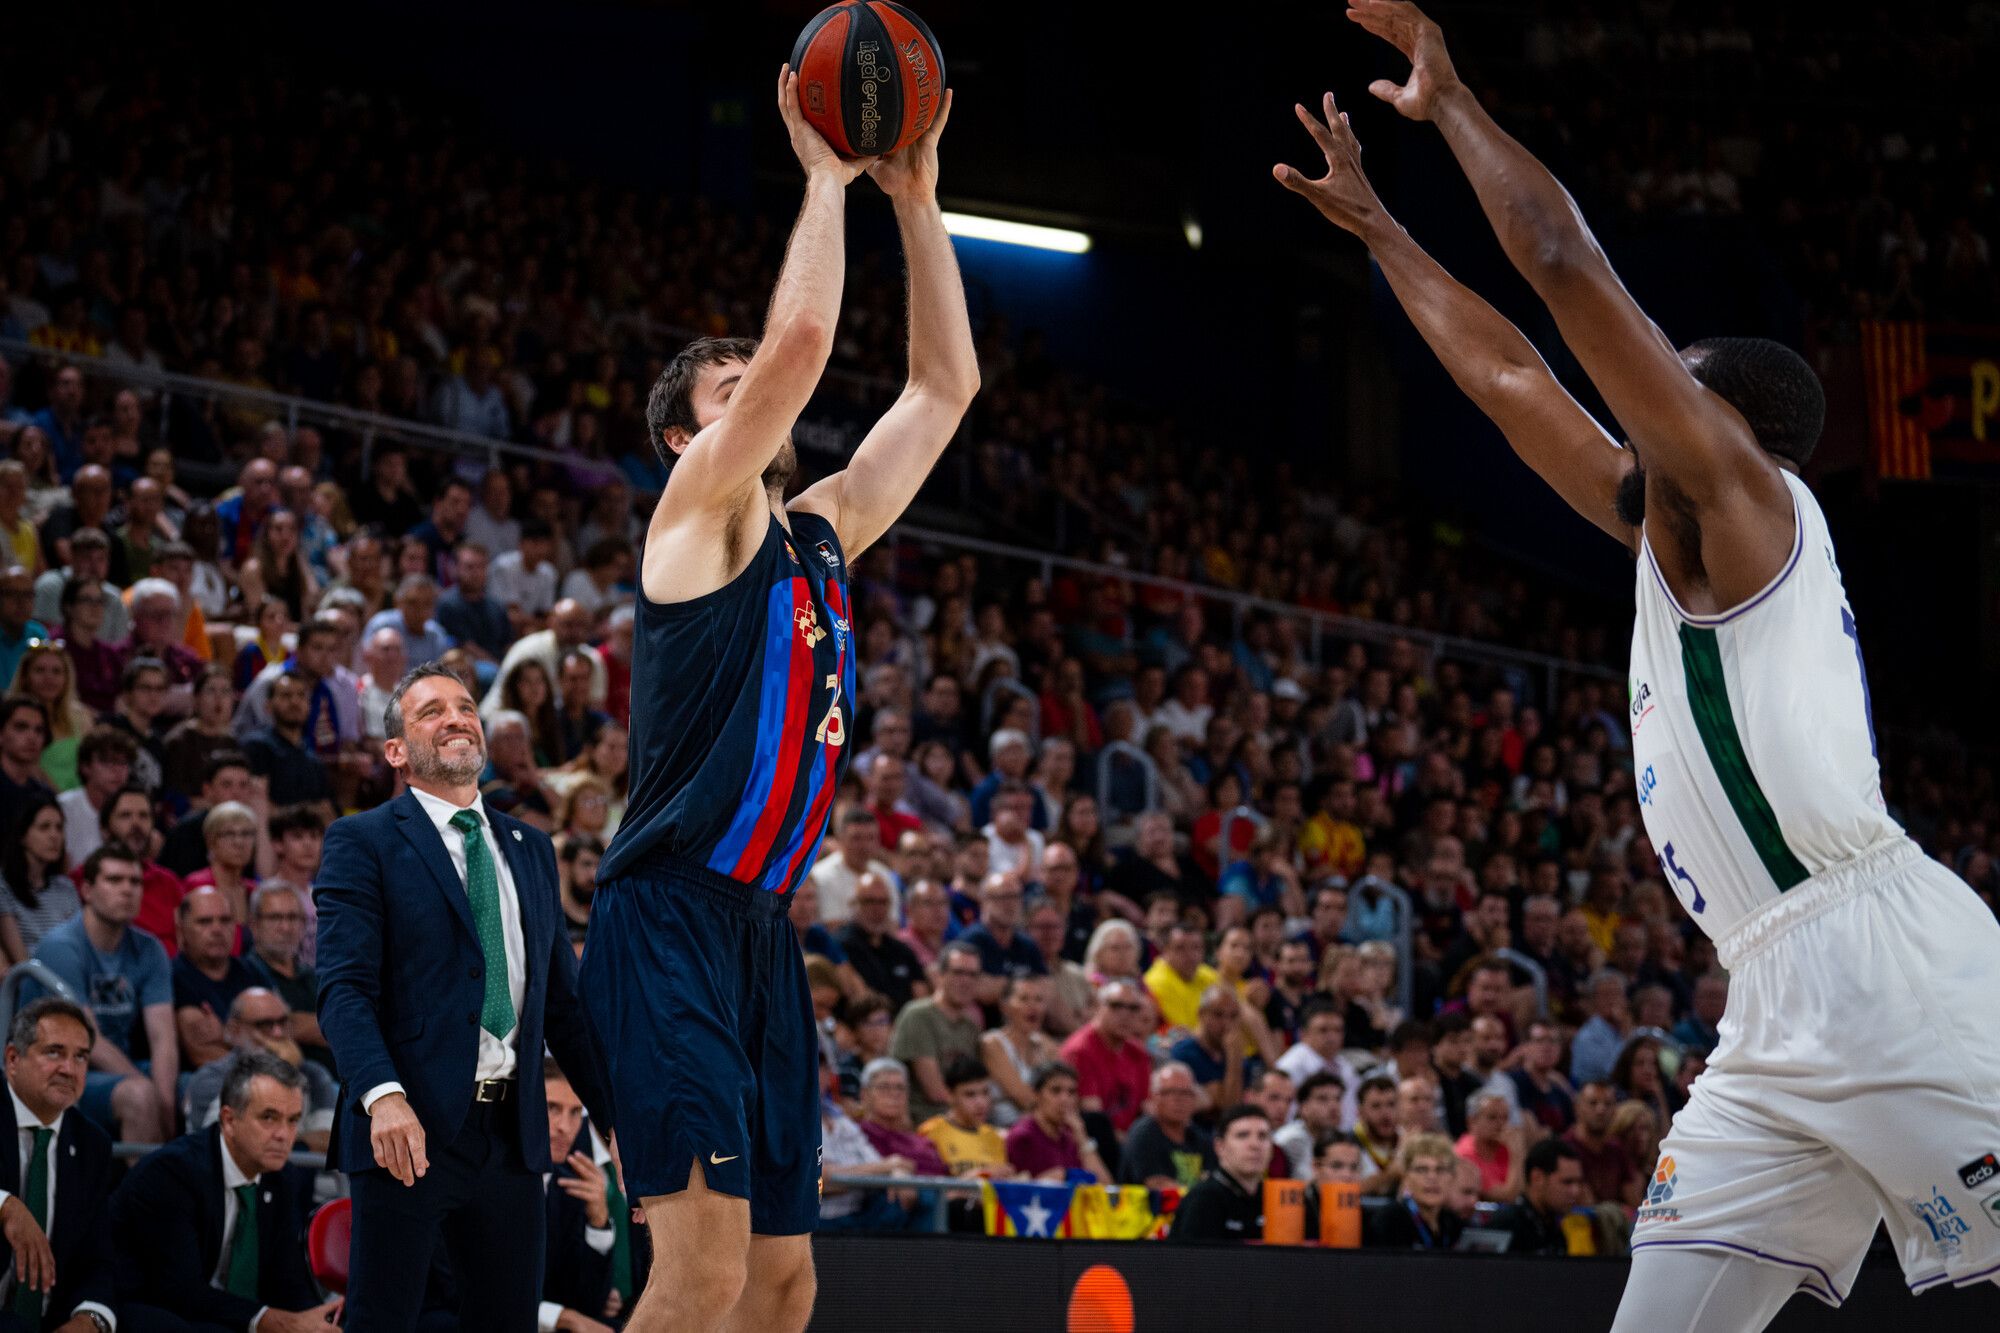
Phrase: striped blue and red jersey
[740,701]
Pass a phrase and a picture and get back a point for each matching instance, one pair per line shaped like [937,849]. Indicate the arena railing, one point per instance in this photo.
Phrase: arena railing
[1324,631]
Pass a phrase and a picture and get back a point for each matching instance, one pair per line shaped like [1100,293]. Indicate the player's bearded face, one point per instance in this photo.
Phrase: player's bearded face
[1631,499]
[779,472]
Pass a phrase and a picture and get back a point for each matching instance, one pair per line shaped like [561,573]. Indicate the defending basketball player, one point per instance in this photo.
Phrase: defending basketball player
[1858,1077]
[742,682]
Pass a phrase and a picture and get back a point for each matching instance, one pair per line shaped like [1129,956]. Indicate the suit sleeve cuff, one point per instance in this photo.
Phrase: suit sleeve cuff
[546,1316]
[104,1312]
[600,1239]
[377,1093]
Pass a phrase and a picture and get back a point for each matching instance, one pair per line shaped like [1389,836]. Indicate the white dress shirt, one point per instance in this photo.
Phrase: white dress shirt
[232,1177]
[497,1057]
[28,1122]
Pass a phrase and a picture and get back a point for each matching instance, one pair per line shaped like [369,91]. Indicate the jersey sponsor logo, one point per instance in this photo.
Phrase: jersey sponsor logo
[1666,1178]
[807,619]
[1978,1172]
[825,550]
[1647,781]
[1947,1228]
[1642,704]
[840,628]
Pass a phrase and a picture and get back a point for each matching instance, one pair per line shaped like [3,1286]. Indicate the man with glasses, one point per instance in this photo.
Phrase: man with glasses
[942,1027]
[885,963]
[90,563]
[1113,1071]
[95,659]
[260,1020]
[142,695]
[157,624]
[1166,1148]
[17,623]
[278,933]
[1004,951]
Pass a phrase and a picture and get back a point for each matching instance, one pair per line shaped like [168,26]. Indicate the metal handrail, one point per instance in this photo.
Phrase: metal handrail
[1538,974]
[1126,749]
[28,969]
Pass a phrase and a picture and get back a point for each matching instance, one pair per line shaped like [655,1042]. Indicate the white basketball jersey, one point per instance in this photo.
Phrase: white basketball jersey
[1751,736]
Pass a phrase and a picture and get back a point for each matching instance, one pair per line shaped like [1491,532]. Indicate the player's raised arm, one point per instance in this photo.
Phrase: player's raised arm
[1487,356]
[1683,432]
[727,457]
[892,461]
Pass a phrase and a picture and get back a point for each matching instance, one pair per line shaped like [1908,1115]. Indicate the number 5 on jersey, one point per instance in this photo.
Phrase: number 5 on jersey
[832,728]
[1674,871]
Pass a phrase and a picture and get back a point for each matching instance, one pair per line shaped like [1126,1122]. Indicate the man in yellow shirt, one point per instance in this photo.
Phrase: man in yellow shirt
[1178,977]
[961,1135]
[1331,841]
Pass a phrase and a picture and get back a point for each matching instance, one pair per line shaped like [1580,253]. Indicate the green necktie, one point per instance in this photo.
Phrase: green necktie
[28,1301]
[243,1245]
[482,886]
[621,1244]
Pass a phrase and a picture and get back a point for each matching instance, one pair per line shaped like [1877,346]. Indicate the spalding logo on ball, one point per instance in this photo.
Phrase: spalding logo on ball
[870,77]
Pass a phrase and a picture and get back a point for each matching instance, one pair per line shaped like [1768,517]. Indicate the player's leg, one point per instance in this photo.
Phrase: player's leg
[780,1300]
[701,1254]
[1682,1291]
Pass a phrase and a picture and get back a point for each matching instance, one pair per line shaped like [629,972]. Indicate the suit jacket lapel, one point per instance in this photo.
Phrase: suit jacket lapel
[424,838]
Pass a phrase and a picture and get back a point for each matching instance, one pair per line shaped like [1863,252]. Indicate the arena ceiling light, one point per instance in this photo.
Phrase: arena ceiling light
[974,227]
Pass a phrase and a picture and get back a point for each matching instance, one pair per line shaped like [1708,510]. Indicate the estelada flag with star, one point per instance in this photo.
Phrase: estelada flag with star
[1017,1208]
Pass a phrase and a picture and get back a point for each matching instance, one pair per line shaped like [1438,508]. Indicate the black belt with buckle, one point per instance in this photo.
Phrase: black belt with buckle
[493,1090]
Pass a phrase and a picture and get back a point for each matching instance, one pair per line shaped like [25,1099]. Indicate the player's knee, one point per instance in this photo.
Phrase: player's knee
[795,1297]
[714,1288]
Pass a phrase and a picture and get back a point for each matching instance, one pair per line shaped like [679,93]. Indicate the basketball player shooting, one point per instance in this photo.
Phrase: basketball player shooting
[743,677]
[1858,1076]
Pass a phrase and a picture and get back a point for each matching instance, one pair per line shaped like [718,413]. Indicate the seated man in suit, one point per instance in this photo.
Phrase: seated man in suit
[58,1278]
[582,1232]
[205,1227]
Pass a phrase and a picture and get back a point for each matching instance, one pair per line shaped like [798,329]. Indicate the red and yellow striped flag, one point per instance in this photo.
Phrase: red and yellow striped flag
[1898,375]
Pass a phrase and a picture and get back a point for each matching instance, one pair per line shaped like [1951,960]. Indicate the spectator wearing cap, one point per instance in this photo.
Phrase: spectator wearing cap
[1005,951]
[207,1226]
[1108,1054]
[1420,1217]
[1594,1050]
[887,965]
[1010,750]
[55,1185]
[885,1117]
[1553,1189]
[1179,979]
[964,1136]
[1227,1204]
[1322,1032]
[90,564]
[1166,1148]
[856,853]
[1319,1100]
[944,1026]
[468,612]
[1051,1140]
[413,617]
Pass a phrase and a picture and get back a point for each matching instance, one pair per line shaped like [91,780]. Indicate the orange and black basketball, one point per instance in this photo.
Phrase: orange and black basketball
[870,77]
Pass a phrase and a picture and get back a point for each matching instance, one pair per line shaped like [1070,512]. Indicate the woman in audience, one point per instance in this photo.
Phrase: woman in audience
[46,677]
[1494,1146]
[46,493]
[585,809]
[1019,1046]
[230,832]
[1082,827]
[935,762]
[263,642]
[1236,965]
[278,567]
[605,760]
[1418,1218]
[35,896]
[1113,953]
[528,691]
[95,663]
[1637,1077]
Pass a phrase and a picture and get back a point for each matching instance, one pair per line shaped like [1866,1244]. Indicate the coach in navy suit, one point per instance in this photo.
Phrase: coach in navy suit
[48,1053]
[444,968]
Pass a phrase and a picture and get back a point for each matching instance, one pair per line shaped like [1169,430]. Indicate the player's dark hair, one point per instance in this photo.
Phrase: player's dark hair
[1547,1155]
[1770,384]
[670,405]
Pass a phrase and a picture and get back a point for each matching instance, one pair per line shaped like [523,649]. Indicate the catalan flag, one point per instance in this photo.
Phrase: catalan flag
[1896,362]
[1018,1208]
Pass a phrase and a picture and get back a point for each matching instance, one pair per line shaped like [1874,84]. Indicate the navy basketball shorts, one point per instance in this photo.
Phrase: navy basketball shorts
[696,993]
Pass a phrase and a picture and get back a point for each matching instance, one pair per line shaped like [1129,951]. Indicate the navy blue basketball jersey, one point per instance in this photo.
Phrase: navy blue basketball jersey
[740,700]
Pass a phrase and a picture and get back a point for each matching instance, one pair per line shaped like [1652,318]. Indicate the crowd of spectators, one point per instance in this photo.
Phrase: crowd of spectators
[1110,860]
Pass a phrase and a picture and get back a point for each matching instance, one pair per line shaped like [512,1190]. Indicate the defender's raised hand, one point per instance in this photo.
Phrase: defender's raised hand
[912,172]
[1343,194]
[1421,41]
[815,154]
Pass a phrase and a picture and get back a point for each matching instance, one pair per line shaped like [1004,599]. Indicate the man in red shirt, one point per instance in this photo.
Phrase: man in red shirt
[1609,1174]
[1114,1072]
[885,782]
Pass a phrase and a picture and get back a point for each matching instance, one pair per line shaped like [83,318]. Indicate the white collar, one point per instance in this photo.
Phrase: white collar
[27,1119]
[232,1174]
[441,811]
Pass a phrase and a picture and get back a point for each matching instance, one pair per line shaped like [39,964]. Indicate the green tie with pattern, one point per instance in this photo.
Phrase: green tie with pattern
[28,1301]
[243,1245]
[482,886]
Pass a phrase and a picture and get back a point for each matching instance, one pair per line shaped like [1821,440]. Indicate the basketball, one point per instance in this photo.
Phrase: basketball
[871,77]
